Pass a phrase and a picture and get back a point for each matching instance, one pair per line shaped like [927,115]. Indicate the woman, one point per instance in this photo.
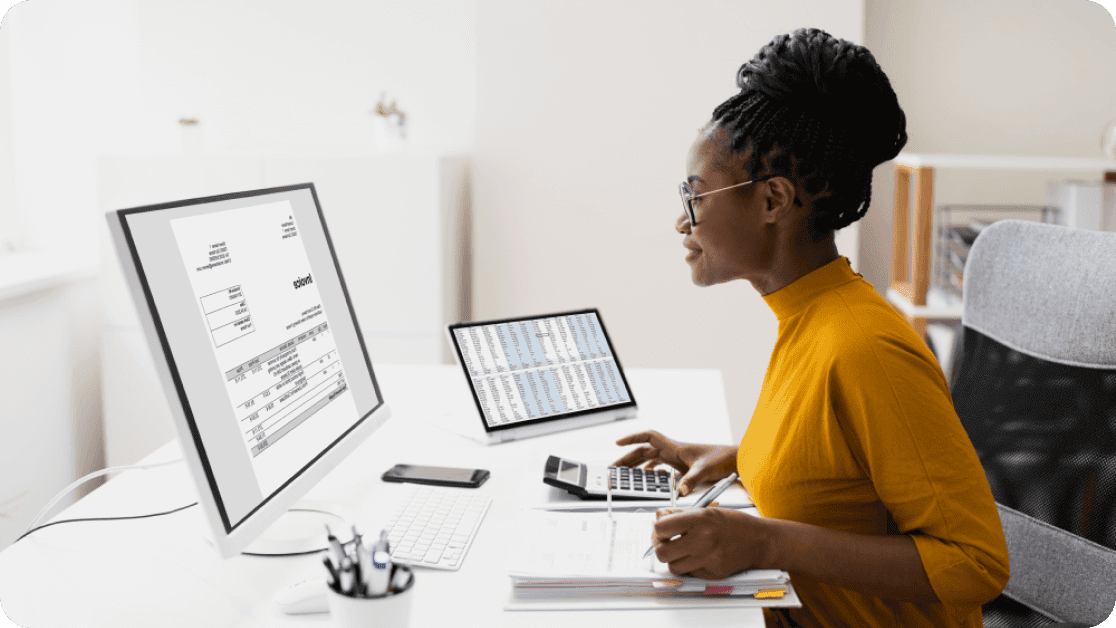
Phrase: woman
[872,495]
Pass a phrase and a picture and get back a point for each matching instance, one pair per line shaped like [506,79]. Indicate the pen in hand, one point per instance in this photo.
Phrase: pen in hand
[705,500]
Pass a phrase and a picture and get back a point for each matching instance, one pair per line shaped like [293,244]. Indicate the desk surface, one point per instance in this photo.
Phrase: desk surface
[160,571]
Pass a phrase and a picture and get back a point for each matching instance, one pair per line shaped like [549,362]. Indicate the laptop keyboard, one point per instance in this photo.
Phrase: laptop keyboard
[435,526]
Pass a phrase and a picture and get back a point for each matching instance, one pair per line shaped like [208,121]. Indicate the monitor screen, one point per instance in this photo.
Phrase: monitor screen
[266,358]
[541,368]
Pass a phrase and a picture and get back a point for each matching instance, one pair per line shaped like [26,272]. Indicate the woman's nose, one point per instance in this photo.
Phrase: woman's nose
[682,225]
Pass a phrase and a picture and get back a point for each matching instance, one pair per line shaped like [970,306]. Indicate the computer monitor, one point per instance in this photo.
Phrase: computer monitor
[264,367]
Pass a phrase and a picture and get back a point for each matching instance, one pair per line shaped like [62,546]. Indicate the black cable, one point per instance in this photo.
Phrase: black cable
[52,523]
[307,553]
[156,514]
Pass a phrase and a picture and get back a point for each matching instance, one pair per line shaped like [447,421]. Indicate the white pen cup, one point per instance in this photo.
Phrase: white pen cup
[389,611]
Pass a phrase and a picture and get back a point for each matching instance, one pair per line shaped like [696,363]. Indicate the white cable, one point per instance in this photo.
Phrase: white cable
[46,509]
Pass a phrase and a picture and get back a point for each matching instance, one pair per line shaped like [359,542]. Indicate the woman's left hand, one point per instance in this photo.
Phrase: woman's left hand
[714,543]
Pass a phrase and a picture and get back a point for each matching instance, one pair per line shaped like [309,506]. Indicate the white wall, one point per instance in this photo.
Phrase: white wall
[1018,77]
[290,75]
[9,216]
[92,77]
[585,111]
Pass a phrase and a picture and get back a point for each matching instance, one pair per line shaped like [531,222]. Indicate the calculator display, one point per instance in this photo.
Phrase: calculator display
[570,472]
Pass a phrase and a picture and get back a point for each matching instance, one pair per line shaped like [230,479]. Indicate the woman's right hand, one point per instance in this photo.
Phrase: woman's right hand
[699,464]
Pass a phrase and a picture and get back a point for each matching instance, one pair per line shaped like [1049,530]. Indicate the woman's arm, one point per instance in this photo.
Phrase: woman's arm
[717,542]
[882,566]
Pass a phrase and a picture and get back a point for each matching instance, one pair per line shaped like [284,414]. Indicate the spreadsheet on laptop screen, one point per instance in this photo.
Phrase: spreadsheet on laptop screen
[541,368]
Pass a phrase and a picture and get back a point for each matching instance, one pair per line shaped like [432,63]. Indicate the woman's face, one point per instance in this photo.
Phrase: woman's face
[732,239]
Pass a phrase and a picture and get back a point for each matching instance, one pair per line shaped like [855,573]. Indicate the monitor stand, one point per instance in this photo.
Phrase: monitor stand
[301,530]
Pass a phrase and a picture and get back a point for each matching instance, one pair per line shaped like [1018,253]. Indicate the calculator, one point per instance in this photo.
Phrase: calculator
[592,481]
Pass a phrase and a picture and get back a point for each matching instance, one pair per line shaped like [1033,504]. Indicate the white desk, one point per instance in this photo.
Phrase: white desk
[160,572]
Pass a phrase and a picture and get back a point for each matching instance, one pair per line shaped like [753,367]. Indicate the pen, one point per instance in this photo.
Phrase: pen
[379,567]
[379,578]
[673,487]
[331,579]
[400,579]
[705,500]
[354,554]
[347,574]
[335,549]
[363,563]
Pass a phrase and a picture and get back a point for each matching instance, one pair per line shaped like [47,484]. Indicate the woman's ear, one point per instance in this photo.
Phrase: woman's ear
[780,198]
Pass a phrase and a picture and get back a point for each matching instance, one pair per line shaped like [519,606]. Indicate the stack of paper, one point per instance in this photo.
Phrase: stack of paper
[579,559]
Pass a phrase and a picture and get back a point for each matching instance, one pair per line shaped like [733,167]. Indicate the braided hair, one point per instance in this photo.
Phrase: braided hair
[819,110]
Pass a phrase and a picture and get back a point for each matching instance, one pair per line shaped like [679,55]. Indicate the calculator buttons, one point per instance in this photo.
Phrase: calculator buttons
[635,480]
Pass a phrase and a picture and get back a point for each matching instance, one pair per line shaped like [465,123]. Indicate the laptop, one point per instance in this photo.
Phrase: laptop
[538,375]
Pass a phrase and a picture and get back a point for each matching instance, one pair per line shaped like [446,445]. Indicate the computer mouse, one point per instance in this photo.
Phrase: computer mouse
[305,596]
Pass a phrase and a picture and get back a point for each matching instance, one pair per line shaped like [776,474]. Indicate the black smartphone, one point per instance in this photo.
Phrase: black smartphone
[437,476]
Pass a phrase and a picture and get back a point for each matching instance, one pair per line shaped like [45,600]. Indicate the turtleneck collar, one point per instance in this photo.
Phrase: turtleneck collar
[792,298]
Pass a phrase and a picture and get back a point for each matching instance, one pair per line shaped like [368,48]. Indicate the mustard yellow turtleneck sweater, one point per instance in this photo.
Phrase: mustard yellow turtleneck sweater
[855,423]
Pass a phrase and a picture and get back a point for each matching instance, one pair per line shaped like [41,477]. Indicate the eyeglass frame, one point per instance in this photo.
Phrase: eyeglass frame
[687,199]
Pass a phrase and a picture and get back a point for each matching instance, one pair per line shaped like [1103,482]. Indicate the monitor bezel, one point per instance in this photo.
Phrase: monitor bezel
[630,404]
[229,537]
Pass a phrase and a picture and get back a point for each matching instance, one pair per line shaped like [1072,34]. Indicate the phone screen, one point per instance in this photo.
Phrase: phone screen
[448,474]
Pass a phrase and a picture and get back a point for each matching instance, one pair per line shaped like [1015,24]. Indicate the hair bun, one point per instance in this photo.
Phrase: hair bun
[833,81]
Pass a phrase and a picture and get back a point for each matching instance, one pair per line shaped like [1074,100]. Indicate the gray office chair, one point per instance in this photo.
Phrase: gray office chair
[1036,391]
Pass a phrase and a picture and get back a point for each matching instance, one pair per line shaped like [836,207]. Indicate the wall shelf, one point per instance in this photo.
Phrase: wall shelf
[925,312]
[911,243]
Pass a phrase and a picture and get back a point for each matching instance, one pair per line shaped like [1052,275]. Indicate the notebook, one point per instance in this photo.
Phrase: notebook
[579,561]
[537,375]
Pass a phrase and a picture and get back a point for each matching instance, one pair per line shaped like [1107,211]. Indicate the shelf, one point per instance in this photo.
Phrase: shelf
[1002,162]
[938,312]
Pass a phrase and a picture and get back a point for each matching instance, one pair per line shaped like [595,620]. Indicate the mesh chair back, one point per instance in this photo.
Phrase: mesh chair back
[1036,385]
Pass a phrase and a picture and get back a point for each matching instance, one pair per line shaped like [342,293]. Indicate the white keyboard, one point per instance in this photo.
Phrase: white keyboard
[435,526]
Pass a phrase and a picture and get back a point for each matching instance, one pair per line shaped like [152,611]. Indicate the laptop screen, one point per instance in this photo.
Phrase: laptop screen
[542,368]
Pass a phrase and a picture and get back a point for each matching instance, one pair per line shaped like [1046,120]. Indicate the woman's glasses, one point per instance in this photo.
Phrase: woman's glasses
[688,196]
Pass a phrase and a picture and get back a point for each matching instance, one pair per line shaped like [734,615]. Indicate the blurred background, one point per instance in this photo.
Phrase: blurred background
[474,159]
